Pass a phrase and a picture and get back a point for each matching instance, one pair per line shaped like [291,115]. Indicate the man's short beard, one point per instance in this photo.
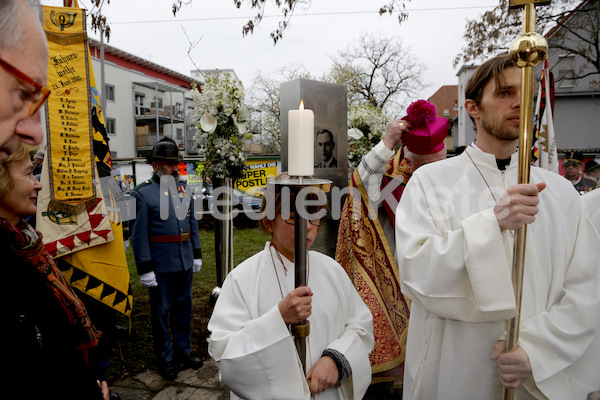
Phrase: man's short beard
[501,137]
[498,132]
[174,174]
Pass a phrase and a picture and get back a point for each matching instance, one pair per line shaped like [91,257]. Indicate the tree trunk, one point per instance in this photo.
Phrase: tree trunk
[223,228]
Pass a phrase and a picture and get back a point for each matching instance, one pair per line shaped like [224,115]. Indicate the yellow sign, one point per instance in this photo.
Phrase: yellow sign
[194,179]
[256,174]
[68,110]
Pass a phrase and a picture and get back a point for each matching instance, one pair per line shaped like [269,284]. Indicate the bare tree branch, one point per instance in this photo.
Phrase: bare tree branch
[99,22]
[287,8]
[264,99]
[378,70]
[574,28]
[192,45]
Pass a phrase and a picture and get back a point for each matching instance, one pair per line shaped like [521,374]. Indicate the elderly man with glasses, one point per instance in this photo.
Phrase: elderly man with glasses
[23,74]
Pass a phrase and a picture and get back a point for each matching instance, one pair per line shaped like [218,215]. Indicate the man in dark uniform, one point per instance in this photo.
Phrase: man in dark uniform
[167,254]
[573,164]
[592,170]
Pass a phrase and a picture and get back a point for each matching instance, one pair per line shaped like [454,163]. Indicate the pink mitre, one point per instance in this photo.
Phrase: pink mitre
[428,132]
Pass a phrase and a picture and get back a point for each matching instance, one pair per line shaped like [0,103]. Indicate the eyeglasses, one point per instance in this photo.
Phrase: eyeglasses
[314,222]
[40,93]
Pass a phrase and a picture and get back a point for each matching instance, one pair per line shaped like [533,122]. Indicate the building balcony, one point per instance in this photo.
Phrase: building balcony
[166,115]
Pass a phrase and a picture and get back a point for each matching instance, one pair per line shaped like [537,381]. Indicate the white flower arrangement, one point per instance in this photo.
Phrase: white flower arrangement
[366,127]
[220,116]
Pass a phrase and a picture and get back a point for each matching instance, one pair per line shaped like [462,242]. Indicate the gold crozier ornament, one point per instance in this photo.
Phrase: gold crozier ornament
[527,51]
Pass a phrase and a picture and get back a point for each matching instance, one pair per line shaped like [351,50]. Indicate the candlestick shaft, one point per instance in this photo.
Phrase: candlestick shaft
[300,275]
[301,330]
[300,250]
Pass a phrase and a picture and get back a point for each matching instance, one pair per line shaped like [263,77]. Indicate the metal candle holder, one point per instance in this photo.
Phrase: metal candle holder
[295,185]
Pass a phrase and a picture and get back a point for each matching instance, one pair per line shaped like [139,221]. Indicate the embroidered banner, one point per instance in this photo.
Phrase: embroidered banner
[67,111]
[87,237]
[71,209]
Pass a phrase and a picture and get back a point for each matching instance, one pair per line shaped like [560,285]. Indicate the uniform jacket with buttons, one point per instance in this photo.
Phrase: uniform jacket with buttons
[163,257]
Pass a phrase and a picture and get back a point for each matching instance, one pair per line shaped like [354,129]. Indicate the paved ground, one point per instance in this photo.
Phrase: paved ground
[201,384]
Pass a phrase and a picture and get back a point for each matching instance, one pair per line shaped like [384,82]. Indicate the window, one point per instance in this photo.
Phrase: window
[111,125]
[179,134]
[446,112]
[160,102]
[109,91]
[178,112]
[566,71]
[139,104]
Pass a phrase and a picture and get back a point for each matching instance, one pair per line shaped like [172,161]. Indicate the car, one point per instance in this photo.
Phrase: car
[241,200]
[256,191]
[247,201]
[200,193]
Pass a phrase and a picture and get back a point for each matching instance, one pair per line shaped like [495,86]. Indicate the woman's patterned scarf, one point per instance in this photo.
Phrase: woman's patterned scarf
[26,243]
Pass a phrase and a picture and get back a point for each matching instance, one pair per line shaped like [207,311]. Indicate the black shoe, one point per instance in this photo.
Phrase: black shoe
[114,396]
[168,371]
[190,361]
[121,330]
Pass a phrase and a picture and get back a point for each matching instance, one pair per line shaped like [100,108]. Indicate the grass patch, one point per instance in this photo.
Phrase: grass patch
[133,353]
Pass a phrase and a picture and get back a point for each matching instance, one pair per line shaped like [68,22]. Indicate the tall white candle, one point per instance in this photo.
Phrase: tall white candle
[301,142]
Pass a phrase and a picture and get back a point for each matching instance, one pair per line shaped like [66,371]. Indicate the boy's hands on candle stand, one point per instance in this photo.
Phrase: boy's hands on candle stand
[323,375]
[296,306]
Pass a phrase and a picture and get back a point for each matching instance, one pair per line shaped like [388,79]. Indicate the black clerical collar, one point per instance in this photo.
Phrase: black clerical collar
[502,163]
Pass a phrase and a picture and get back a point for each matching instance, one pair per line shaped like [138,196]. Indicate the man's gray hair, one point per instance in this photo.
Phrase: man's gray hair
[10,21]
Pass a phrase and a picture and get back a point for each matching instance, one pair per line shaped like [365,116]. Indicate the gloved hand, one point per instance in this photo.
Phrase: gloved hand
[126,244]
[148,279]
[197,265]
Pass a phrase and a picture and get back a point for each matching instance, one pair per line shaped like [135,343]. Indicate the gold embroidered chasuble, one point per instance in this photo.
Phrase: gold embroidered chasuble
[364,252]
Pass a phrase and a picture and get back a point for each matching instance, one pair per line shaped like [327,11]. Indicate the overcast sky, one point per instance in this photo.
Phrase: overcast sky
[433,33]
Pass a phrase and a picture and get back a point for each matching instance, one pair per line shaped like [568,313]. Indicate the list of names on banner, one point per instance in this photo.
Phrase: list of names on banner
[69,116]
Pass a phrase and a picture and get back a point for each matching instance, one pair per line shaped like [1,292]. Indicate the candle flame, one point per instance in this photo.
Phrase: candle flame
[301,105]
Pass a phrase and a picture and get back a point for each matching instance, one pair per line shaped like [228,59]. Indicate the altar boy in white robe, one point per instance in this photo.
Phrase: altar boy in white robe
[250,325]
[454,242]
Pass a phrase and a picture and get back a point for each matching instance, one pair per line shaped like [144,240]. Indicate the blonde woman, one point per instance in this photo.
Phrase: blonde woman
[46,330]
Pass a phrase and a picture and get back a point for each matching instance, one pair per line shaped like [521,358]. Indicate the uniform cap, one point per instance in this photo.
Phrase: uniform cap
[574,156]
[165,150]
[591,165]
